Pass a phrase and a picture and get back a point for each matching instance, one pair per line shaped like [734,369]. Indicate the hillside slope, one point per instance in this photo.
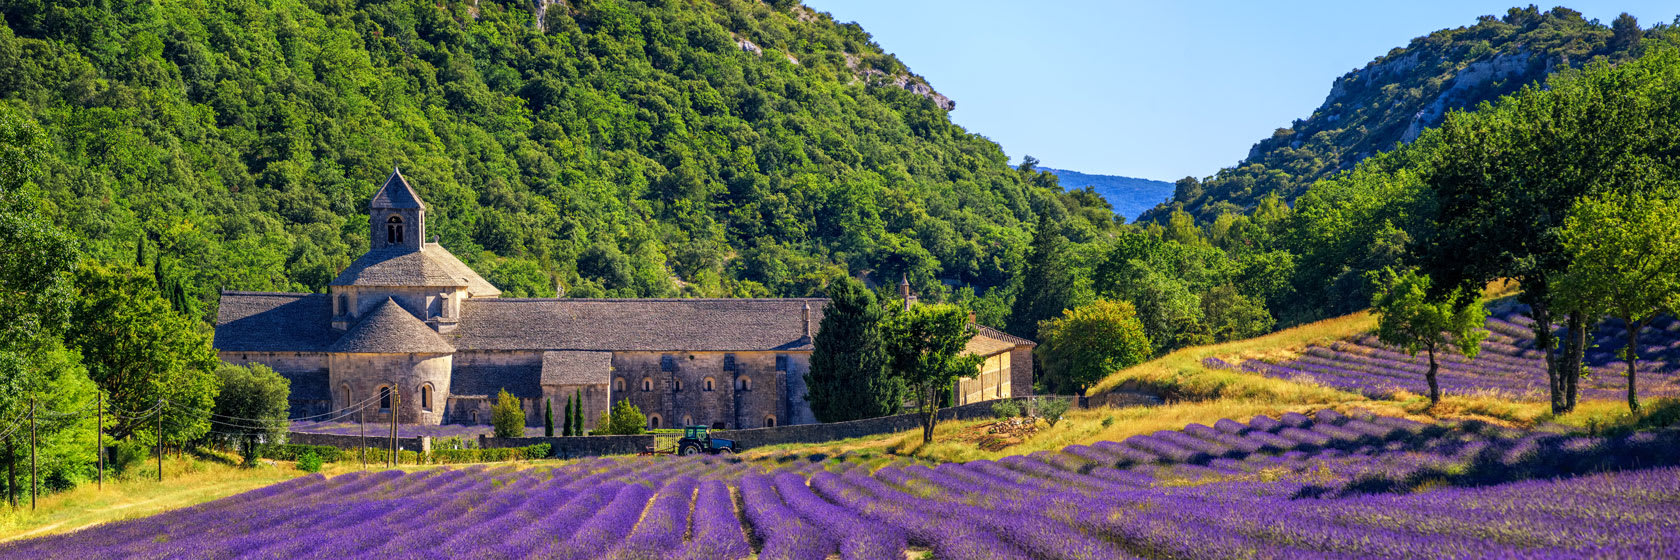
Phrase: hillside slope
[622,148]
[1398,95]
[1130,196]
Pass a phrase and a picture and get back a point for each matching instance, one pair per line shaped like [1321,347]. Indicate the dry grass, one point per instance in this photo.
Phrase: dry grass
[1181,376]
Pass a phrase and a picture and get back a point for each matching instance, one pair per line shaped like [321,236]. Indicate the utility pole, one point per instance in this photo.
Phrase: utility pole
[391,460]
[11,470]
[99,412]
[361,422]
[32,462]
[160,440]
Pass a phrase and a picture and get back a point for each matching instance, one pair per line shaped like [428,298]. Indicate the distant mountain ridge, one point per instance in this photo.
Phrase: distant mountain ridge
[1130,196]
[1411,88]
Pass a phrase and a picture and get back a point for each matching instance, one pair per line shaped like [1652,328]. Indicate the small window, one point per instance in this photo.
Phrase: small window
[688,420]
[769,421]
[728,362]
[743,384]
[647,384]
[781,362]
[426,397]
[676,386]
[618,384]
[668,363]
[474,415]
[384,398]
[719,426]
[653,421]
[394,230]
[344,396]
[708,385]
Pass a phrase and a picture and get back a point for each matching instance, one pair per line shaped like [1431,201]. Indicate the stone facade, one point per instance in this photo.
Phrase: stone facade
[410,330]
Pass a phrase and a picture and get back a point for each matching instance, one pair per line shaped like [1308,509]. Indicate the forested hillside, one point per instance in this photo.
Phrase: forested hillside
[1398,95]
[620,148]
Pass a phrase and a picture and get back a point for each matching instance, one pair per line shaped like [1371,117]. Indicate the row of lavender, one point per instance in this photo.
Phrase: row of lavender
[1508,365]
[1296,486]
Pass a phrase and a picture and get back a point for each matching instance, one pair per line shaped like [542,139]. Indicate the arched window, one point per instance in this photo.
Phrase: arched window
[344,396]
[384,397]
[743,384]
[618,384]
[653,421]
[678,386]
[770,421]
[647,384]
[426,396]
[687,421]
[394,230]
[708,384]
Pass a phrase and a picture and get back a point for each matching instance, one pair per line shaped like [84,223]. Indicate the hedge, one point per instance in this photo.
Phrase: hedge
[329,454]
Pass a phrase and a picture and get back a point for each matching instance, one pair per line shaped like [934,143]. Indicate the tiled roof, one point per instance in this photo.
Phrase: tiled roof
[484,380]
[396,193]
[1003,336]
[653,325]
[982,345]
[389,329]
[274,322]
[570,367]
[432,265]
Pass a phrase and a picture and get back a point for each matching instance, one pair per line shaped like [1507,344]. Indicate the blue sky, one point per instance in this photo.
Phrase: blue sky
[1160,89]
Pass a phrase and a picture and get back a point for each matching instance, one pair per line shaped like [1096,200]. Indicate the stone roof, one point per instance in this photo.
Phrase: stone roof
[396,193]
[995,334]
[390,329]
[982,345]
[651,325]
[570,367]
[274,322]
[431,266]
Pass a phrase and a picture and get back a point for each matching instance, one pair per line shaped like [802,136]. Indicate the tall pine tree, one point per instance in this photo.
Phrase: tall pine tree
[577,415]
[1047,286]
[849,379]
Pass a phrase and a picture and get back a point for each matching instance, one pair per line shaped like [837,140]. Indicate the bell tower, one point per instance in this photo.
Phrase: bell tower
[396,216]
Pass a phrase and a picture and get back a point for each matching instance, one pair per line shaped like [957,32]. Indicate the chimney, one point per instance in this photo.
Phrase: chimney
[807,312]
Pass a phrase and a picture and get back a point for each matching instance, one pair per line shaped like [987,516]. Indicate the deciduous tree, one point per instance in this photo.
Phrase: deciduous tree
[1410,317]
[925,344]
[251,406]
[1089,342]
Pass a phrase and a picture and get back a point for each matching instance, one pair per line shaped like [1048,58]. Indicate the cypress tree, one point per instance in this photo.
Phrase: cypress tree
[1046,285]
[849,379]
[548,417]
[577,415]
[566,424]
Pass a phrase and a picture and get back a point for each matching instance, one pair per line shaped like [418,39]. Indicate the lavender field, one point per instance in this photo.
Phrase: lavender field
[1509,365]
[1322,486]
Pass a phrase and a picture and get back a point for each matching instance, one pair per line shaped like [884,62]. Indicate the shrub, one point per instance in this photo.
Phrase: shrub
[126,454]
[1051,410]
[309,462]
[1006,409]
[295,452]
[624,420]
[507,416]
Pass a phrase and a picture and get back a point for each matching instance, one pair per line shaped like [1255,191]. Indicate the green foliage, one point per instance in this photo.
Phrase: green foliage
[849,379]
[1410,318]
[1005,409]
[143,355]
[621,148]
[507,417]
[1051,409]
[1401,93]
[1048,285]
[577,414]
[1089,342]
[623,420]
[548,416]
[458,456]
[251,405]
[1624,262]
[309,462]
[925,347]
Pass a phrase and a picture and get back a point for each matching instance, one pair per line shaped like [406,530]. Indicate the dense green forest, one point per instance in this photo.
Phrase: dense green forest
[619,148]
[1398,95]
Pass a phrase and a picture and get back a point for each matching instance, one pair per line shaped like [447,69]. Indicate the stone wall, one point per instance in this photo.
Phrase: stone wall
[698,390]
[818,433]
[356,377]
[307,372]
[994,381]
[594,403]
[373,441]
[574,447]
[1021,371]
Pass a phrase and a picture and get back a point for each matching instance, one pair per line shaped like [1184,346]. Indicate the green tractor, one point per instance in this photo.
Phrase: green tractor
[698,439]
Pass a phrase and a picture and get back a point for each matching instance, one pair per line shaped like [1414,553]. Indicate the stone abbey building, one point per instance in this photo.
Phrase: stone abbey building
[413,330]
